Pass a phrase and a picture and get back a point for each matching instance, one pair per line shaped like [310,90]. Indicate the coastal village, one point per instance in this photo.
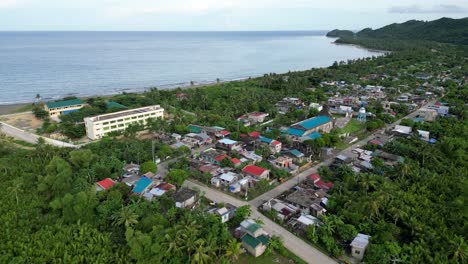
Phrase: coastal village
[265,153]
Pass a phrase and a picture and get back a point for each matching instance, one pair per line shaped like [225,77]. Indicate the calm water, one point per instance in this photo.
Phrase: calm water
[56,64]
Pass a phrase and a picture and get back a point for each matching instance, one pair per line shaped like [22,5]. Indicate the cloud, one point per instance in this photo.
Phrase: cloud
[416,9]
[8,3]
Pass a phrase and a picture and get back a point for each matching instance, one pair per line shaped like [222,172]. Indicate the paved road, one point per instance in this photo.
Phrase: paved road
[291,242]
[29,137]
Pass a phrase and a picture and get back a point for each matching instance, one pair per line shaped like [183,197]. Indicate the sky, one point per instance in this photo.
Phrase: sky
[219,15]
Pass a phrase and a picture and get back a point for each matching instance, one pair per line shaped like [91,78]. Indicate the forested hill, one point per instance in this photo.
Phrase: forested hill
[444,30]
[340,33]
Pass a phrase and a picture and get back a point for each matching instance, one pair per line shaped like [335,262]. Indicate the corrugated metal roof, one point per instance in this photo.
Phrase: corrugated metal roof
[142,184]
[64,103]
[314,122]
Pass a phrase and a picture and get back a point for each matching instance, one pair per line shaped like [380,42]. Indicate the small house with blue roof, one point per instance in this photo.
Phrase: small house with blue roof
[142,185]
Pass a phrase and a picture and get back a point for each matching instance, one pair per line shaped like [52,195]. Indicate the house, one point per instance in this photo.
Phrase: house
[105,184]
[131,169]
[254,240]
[342,160]
[428,114]
[282,162]
[306,127]
[317,210]
[160,190]
[443,110]
[226,213]
[307,220]
[288,103]
[227,144]
[213,156]
[184,198]
[424,135]
[316,106]
[256,172]
[63,107]
[297,156]
[228,178]
[402,130]
[283,210]
[142,185]
[275,145]
[254,117]
[303,199]
[250,155]
[359,245]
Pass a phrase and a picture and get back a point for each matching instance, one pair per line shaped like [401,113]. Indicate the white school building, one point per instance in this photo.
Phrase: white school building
[99,126]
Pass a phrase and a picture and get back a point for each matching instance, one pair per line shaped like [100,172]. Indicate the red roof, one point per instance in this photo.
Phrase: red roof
[275,142]
[106,183]
[235,161]
[242,135]
[253,170]
[225,132]
[220,157]
[438,104]
[375,142]
[325,185]
[254,134]
[314,177]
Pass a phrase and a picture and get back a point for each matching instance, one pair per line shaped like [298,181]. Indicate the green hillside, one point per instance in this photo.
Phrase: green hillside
[445,30]
[340,33]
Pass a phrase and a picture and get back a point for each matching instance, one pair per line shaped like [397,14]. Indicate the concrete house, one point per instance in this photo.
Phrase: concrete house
[254,240]
[256,172]
[359,246]
[184,198]
[105,184]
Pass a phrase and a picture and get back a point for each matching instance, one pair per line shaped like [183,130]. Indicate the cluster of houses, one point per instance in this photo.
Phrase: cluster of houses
[150,186]
[302,206]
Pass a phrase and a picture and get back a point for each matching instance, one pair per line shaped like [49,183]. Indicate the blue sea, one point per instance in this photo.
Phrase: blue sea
[57,64]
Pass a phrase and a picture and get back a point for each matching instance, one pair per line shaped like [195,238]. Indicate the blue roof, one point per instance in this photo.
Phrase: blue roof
[295,132]
[266,140]
[314,135]
[314,122]
[142,184]
[296,153]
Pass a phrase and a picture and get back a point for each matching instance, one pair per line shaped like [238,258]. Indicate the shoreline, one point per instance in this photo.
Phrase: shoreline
[15,107]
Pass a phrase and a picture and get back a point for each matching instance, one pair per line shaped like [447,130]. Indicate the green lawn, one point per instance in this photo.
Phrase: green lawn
[353,126]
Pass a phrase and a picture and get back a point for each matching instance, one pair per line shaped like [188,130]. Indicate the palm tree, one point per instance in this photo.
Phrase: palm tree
[126,216]
[201,255]
[459,249]
[233,250]
[16,188]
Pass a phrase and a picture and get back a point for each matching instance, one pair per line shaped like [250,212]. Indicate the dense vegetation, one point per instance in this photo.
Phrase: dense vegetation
[51,213]
[336,33]
[445,30]
[414,213]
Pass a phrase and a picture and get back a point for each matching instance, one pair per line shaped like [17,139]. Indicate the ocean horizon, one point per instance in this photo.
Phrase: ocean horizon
[56,64]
